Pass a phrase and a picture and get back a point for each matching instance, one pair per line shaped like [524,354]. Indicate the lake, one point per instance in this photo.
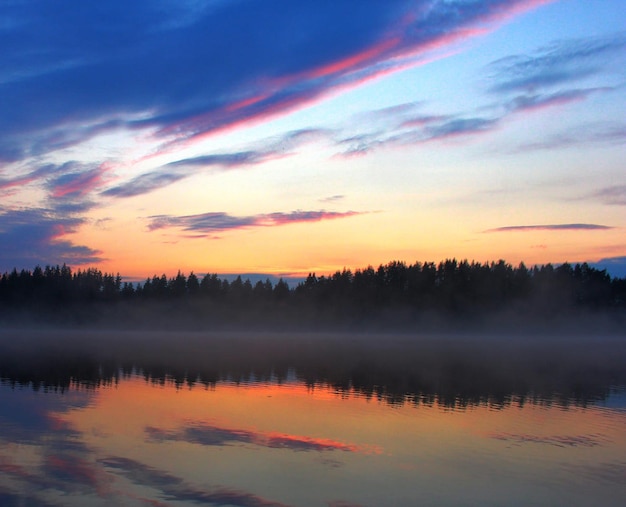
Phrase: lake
[170,419]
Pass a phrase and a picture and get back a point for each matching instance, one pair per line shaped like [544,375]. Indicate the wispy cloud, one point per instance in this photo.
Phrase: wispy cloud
[531,102]
[265,150]
[591,133]
[79,182]
[421,129]
[145,183]
[613,195]
[209,223]
[69,180]
[524,85]
[332,198]
[561,62]
[552,227]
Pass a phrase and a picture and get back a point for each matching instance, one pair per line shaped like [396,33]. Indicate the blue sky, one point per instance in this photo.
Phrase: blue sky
[287,137]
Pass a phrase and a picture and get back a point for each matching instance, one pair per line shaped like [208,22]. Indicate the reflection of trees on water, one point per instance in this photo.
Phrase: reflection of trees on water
[454,371]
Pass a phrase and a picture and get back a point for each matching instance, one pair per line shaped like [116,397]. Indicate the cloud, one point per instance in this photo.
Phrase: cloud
[69,180]
[40,423]
[530,87]
[421,130]
[207,223]
[592,133]
[535,102]
[459,126]
[332,198]
[613,195]
[145,183]
[205,434]
[263,151]
[553,227]
[34,237]
[187,71]
[560,62]
[79,182]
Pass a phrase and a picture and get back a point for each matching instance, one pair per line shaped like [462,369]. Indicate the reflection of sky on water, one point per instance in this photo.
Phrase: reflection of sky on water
[616,400]
[269,445]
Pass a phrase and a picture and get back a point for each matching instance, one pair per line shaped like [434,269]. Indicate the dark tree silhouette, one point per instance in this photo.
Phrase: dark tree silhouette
[393,294]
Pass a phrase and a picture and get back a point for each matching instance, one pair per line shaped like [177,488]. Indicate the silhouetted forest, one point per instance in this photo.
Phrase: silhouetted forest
[396,294]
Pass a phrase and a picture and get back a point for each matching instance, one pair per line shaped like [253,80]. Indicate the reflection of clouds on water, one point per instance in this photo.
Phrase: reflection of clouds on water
[10,498]
[204,434]
[176,489]
[330,462]
[556,440]
[76,473]
[36,420]
[26,416]
[58,471]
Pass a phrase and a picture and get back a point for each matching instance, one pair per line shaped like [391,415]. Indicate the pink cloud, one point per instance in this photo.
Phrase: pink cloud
[80,184]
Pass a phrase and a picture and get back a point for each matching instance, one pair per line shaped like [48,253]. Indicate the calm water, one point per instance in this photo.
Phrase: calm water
[302,421]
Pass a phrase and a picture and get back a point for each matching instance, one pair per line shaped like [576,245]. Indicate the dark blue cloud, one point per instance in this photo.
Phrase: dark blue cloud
[78,70]
[33,237]
[146,183]
[226,159]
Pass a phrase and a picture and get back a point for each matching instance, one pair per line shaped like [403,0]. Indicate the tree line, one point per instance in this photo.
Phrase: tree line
[396,292]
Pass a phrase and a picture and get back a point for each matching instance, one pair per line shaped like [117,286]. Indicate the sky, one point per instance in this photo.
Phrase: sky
[281,137]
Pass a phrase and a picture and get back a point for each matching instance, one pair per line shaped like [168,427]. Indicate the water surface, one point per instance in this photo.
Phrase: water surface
[307,421]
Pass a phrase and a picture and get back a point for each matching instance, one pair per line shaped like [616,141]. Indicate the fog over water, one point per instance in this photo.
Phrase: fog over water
[453,368]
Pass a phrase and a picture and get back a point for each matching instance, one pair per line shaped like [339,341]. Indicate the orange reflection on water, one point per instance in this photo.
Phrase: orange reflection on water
[262,436]
[272,412]
[320,414]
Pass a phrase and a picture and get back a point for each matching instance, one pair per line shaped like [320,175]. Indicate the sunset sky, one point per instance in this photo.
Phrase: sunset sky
[287,137]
